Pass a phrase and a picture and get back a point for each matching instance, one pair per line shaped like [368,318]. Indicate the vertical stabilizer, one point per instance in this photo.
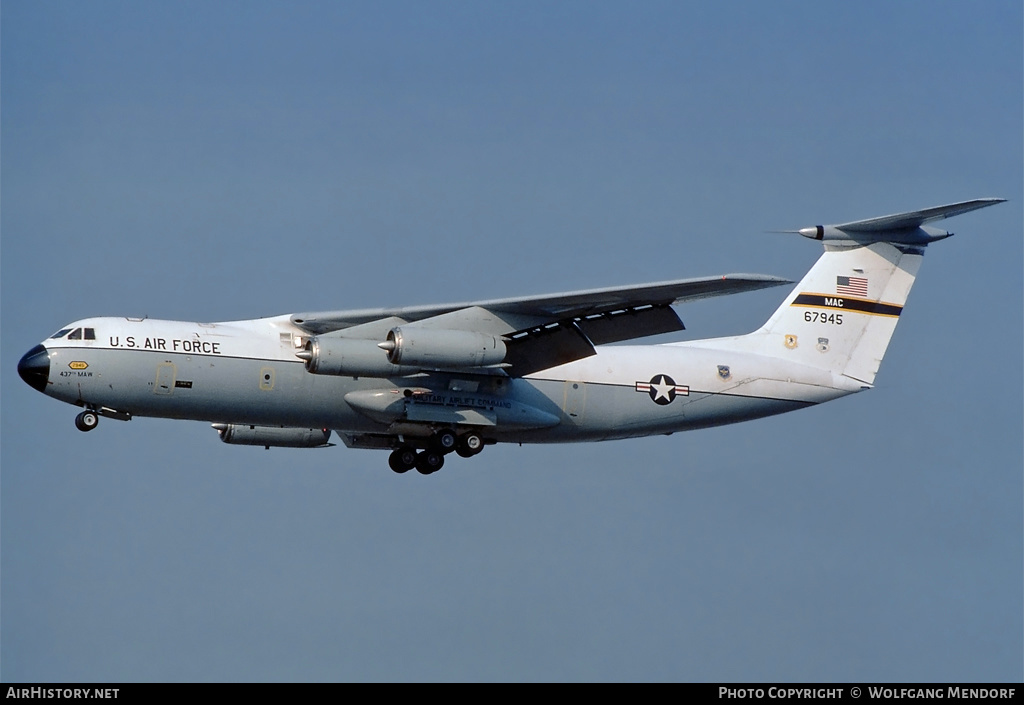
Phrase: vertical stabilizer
[843,313]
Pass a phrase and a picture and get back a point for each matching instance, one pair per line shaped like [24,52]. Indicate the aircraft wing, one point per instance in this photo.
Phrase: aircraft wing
[550,329]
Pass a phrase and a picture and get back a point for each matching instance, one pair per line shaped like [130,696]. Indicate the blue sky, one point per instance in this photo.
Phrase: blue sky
[219,161]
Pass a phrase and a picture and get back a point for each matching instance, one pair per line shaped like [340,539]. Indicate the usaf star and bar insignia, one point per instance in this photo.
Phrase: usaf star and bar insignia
[662,389]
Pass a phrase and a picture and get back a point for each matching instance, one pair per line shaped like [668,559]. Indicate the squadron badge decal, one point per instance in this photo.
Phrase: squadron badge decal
[662,389]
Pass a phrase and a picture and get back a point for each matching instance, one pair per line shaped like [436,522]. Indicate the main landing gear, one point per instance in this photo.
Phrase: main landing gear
[431,459]
[90,418]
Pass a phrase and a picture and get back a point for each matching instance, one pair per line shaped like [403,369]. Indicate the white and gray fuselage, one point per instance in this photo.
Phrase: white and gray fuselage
[246,372]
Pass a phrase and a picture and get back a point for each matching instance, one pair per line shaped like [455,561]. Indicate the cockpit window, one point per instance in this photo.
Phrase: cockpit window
[76,334]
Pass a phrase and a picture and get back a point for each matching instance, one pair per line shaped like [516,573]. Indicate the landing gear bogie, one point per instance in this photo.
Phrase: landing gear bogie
[434,448]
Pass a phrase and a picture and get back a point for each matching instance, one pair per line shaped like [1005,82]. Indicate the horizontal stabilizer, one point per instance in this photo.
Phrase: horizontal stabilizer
[905,228]
[915,219]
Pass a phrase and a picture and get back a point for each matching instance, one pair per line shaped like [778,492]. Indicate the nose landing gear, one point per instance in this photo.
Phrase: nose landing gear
[87,420]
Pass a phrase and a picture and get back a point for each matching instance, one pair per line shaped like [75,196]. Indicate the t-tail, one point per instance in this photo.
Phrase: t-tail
[842,314]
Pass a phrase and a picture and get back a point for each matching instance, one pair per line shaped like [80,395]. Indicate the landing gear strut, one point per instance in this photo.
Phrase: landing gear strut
[87,420]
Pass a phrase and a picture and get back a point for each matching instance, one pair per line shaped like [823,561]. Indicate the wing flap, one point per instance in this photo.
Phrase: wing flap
[626,324]
[546,346]
[554,344]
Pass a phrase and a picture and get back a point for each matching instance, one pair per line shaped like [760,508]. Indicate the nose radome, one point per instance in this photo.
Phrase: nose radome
[34,367]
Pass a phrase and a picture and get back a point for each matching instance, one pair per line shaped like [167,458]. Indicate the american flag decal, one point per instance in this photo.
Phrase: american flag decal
[852,286]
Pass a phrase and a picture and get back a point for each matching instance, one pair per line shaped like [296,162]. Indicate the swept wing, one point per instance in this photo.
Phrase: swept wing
[549,329]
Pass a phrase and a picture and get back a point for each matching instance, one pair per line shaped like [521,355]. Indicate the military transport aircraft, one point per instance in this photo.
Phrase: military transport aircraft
[425,381]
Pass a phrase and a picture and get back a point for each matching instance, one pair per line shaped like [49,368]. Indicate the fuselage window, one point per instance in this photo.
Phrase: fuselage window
[90,334]
[60,334]
[76,334]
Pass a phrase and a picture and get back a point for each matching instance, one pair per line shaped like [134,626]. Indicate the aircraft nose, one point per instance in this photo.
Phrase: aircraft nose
[34,367]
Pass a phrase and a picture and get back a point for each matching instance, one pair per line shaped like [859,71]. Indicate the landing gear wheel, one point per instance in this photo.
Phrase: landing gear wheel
[445,440]
[402,460]
[429,461]
[87,421]
[469,445]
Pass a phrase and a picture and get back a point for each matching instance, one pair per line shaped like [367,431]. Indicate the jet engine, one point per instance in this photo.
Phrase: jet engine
[438,347]
[245,435]
[352,357]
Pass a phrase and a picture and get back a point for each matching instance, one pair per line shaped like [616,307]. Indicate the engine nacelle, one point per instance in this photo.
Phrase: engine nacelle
[352,357]
[438,347]
[245,435]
